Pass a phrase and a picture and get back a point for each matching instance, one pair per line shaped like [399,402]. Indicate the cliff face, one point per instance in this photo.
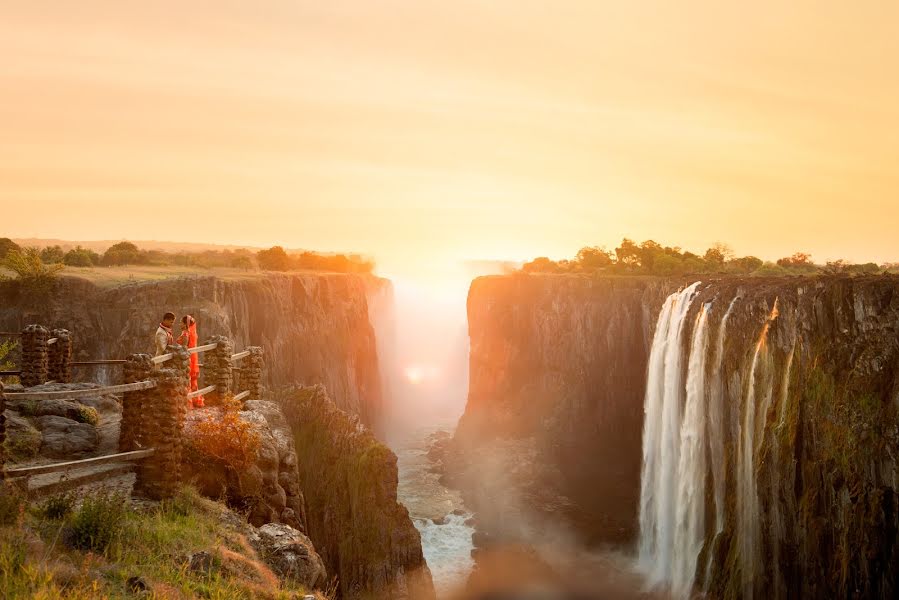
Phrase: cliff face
[314,327]
[349,479]
[768,445]
[562,360]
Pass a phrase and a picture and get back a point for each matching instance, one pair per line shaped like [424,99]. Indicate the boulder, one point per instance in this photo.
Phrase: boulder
[66,438]
[289,553]
[23,441]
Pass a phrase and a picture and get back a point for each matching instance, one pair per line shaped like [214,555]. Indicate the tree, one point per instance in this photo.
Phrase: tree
[34,274]
[52,255]
[719,253]
[800,259]
[628,254]
[273,259]
[81,257]
[123,253]
[242,262]
[745,264]
[6,245]
[592,258]
[541,265]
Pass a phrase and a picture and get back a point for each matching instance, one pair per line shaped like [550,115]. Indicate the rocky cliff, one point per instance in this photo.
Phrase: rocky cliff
[768,442]
[349,479]
[560,362]
[313,327]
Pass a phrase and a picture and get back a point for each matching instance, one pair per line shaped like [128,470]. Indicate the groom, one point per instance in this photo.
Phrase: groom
[164,336]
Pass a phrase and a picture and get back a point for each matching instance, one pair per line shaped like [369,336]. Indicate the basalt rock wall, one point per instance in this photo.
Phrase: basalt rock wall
[313,327]
[798,393]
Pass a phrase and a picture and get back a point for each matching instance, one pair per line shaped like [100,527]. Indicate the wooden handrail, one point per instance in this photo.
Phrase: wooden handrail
[10,373]
[52,341]
[205,390]
[240,355]
[77,464]
[242,395]
[158,360]
[11,333]
[200,349]
[111,389]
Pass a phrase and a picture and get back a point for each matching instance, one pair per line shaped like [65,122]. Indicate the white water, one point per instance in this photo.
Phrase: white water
[675,469]
[446,544]
[689,532]
[661,439]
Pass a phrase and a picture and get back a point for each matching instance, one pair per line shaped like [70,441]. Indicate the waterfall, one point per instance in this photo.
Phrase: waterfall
[689,530]
[754,413]
[716,432]
[662,438]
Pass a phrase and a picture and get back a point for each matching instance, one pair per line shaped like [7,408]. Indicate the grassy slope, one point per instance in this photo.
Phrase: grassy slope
[38,560]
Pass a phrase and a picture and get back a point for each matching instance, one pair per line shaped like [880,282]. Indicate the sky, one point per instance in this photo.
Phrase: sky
[426,131]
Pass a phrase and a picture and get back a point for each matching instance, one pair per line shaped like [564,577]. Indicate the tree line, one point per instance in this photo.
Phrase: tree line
[32,261]
[651,258]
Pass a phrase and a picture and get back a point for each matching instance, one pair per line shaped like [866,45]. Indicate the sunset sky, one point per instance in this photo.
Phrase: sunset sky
[424,130]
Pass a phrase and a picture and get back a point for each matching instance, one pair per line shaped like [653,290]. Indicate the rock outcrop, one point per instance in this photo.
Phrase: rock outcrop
[561,362]
[269,489]
[363,534]
[290,554]
[61,429]
[313,327]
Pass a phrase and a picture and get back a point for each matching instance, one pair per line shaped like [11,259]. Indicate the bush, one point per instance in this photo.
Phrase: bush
[52,255]
[12,504]
[81,257]
[30,269]
[97,522]
[87,414]
[58,507]
[123,253]
[225,437]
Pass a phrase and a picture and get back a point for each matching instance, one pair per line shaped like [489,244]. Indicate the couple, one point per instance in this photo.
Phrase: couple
[188,338]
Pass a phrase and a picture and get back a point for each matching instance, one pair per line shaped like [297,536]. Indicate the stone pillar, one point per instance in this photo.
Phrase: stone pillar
[180,361]
[251,376]
[60,356]
[138,367]
[35,361]
[218,369]
[2,433]
[159,476]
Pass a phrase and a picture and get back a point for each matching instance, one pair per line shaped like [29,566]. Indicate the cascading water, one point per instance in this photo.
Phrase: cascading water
[661,438]
[684,444]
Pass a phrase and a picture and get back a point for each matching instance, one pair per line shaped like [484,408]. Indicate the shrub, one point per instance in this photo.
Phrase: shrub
[30,269]
[58,507]
[12,504]
[97,522]
[226,437]
[81,257]
[87,414]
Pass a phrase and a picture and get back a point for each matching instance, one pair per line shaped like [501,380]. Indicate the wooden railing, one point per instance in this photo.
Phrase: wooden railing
[134,388]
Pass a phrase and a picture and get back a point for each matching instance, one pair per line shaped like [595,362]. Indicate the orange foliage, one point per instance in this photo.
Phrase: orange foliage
[224,436]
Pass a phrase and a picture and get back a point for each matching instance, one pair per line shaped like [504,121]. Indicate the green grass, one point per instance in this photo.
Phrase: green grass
[40,558]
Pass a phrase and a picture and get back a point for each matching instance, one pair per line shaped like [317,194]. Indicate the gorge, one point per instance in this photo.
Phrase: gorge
[732,436]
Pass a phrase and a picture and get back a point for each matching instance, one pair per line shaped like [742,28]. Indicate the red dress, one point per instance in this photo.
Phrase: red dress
[194,361]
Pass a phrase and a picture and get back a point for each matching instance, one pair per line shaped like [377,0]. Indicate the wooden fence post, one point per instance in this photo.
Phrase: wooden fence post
[35,362]
[138,367]
[218,369]
[159,475]
[59,356]
[251,376]
[2,433]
